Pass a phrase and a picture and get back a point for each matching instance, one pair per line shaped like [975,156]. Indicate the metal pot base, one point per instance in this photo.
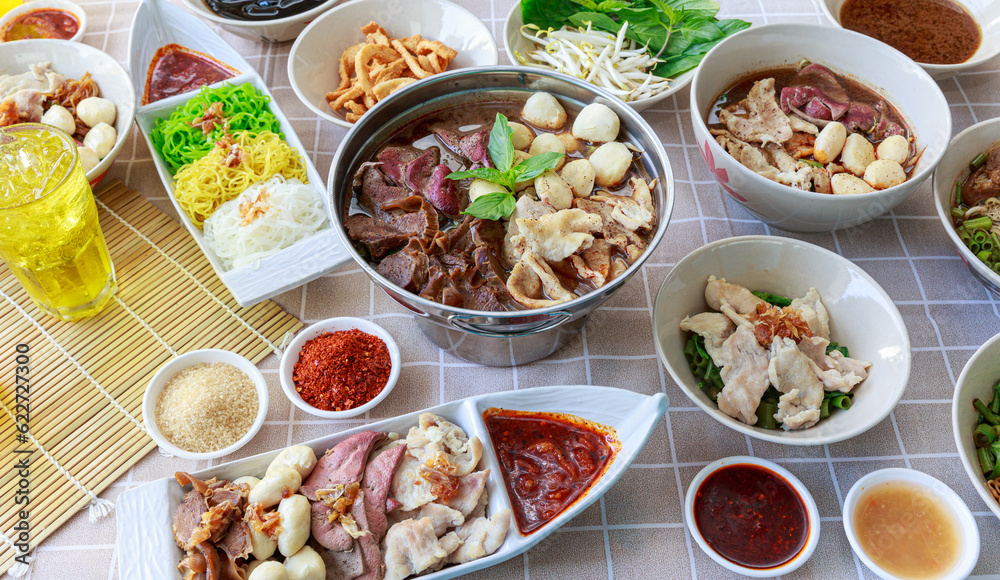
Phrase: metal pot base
[500,351]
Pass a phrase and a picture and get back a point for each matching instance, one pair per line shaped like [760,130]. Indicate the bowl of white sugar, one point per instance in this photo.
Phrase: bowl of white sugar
[205,404]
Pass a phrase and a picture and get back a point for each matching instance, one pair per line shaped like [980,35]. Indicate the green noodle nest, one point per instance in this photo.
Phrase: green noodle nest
[179,142]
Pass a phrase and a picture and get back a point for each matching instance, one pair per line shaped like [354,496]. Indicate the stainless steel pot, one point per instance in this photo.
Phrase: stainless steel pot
[494,338]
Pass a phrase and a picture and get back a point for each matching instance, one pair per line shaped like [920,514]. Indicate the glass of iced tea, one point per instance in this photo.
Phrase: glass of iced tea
[50,237]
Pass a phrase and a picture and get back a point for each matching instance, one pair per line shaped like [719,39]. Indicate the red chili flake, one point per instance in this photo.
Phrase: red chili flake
[341,370]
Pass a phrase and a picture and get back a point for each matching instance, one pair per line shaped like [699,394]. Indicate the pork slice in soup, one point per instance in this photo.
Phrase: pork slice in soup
[572,229]
[814,130]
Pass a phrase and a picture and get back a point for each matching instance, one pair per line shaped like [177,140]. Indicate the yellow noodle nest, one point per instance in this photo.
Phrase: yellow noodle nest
[204,185]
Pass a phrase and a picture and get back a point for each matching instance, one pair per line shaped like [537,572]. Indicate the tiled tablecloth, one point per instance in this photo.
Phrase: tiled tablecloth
[636,531]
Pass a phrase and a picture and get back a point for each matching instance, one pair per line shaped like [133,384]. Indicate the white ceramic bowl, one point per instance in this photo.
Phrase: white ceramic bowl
[189,359]
[72,7]
[978,377]
[291,356]
[515,42]
[276,30]
[986,13]
[862,318]
[313,63]
[913,92]
[967,524]
[954,167]
[812,514]
[72,60]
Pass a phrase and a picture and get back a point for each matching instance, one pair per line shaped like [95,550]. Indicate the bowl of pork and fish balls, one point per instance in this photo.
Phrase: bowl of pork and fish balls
[967,198]
[502,206]
[815,128]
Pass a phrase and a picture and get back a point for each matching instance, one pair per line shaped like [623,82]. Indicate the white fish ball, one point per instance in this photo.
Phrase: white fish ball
[250,481]
[611,162]
[306,564]
[301,458]
[553,190]
[520,156]
[596,123]
[95,110]
[269,571]
[521,135]
[547,142]
[481,187]
[88,158]
[60,118]
[896,148]
[884,173]
[263,545]
[847,184]
[830,142]
[101,139]
[280,483]
[857,154]
[295,524]
[543,110]
[580,175]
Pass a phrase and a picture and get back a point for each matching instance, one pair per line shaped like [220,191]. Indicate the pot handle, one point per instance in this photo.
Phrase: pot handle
[463,322]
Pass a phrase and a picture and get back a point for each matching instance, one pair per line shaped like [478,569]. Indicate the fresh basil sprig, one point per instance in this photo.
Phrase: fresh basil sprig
[498,205]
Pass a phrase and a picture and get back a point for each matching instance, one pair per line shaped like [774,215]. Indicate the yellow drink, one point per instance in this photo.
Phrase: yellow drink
[49,233]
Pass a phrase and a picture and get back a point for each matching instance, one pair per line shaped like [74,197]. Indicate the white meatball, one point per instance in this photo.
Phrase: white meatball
[282,482]
[611,162]
[847,184]
[253,566]
[60,118]
[571,143]
[295,524]
[884,173]
[579,174]
[249,480]
[481,187]
[543,110]
[95,110]
[596,123]
[301,458]
[857,154]
[88,158]
[895,148]
[830,142]
[520,156]
[547,142]
[521,135]
[553,190]
[101,139]
[263,545]
[306,564]
[269,571]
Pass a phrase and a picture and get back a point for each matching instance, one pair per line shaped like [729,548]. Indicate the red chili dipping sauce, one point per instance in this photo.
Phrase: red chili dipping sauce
[548,460]
[176,69]
[751,516]
[41,23]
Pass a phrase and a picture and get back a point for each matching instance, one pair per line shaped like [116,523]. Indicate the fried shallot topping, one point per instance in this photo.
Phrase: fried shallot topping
[262,522]
[212,118]
[771,321]
[443,486]
[217,517]
[259,207]
[339,499]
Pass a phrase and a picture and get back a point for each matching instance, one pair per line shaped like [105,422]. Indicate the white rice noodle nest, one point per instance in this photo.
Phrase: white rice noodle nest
[283,211]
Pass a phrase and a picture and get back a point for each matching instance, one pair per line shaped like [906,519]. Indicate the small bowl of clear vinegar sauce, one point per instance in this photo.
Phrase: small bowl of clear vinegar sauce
[904,524]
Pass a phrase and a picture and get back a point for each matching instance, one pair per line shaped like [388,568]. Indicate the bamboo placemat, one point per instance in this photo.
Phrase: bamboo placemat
[87,378]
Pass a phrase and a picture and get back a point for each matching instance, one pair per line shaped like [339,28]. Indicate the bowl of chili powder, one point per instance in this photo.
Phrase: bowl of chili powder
[339,367]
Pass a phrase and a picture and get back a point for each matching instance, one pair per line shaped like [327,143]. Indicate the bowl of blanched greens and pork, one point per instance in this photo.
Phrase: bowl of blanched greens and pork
[774,338]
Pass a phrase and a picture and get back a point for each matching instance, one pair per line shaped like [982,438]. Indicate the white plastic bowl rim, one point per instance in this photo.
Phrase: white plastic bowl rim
[189,359]
[291,356]
[72,7]
[812,515]
[970,532]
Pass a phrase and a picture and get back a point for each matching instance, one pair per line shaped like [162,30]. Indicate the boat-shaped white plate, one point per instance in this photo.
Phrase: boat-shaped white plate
[146,547]
[301,262]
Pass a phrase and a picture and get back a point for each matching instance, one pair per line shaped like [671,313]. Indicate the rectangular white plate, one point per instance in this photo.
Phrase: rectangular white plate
[305,260]
[146,547]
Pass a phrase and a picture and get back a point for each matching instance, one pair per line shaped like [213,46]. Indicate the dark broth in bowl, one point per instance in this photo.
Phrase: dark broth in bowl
[928,31]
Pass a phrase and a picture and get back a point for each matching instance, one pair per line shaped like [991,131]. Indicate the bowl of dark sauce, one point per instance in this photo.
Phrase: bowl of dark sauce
[267,20]
[944,37]
[752,516]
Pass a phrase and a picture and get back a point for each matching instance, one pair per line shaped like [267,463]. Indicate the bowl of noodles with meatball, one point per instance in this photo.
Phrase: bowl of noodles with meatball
[502,205]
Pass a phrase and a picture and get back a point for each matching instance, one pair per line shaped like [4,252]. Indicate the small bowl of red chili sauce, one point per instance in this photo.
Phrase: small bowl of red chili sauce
[339,367]
[752,516]
[59,19]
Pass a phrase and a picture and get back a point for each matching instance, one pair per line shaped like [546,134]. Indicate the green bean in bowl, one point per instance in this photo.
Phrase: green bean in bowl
[986,437]
[975,210]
